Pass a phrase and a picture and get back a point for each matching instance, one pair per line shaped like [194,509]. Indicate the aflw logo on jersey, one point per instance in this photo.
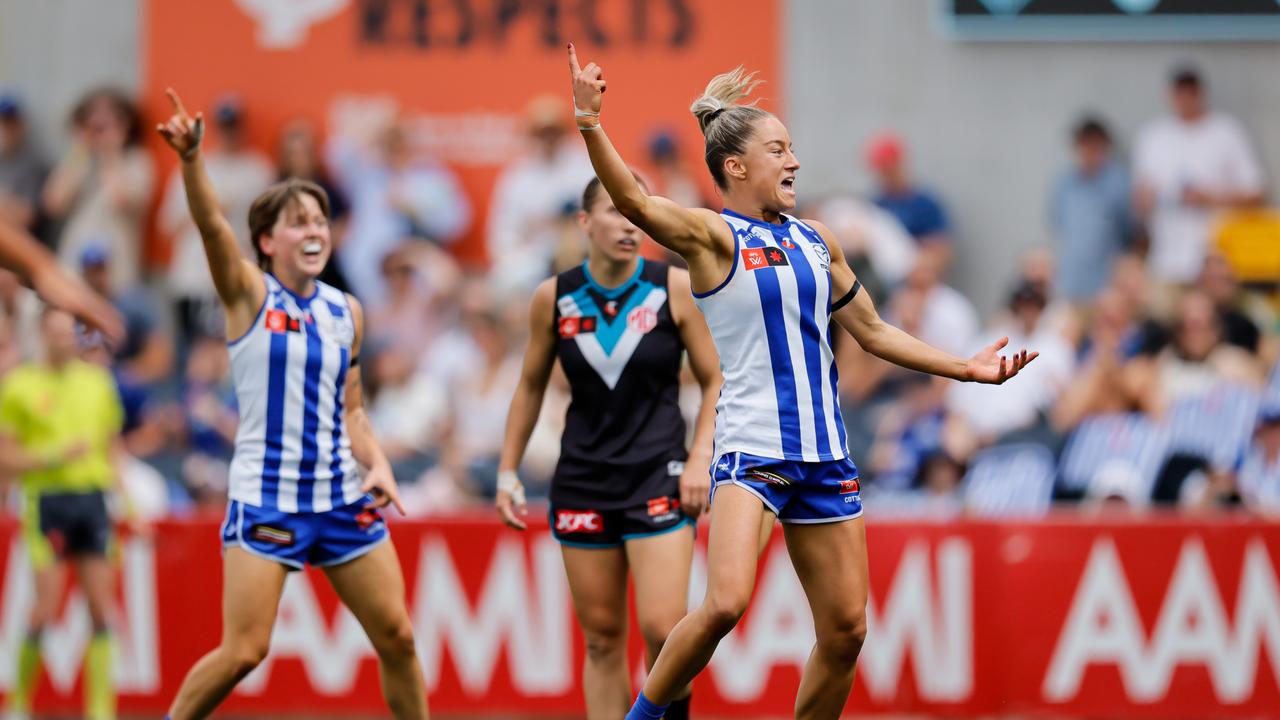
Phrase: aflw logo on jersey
[756,258]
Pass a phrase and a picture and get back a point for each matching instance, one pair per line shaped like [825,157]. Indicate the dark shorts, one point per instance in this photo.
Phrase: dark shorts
[75,523]
[585,527]
[320,539]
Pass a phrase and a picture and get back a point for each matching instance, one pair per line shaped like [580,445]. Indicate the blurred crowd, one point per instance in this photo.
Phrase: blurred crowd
[1153,386]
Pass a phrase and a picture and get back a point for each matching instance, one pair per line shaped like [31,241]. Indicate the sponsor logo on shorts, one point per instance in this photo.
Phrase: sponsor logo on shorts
[663,509]
[767,477]
[675,468]
[273,536]
[368,518]
[849,486]
[579,521]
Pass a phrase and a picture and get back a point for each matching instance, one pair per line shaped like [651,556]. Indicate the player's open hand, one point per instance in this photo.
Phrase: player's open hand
[588,84]
[695,489]
[510,502]
[182,131]
[381,484]
[989,366]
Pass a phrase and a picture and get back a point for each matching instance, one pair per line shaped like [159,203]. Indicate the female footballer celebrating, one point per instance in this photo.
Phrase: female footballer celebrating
[625,492]
[296,495]
[770,286]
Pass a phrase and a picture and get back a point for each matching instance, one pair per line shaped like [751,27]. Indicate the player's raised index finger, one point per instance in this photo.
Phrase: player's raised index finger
[574,68]
[176,101]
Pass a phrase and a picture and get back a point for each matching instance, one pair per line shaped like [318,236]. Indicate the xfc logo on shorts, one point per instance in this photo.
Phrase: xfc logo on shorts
[579,521]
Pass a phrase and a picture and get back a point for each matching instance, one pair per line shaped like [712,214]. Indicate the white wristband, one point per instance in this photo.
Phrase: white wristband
[579,112]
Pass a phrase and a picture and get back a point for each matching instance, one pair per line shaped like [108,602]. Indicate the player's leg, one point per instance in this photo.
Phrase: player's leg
[660,571]
[372,586]
[732,550]
[97,582]
[251,588]
[598,584]
[88,542]
[48,581]
[831,562]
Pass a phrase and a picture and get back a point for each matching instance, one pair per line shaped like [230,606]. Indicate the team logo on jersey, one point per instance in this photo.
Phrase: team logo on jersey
[642,320]
[340,328]
[279,321]
[572,326]
[579,521]
[849,486]
[756,258]
[786,243]
[824,257]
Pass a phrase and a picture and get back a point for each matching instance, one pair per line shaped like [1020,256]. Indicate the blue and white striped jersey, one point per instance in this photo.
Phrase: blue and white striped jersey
[292,452]
[771,322]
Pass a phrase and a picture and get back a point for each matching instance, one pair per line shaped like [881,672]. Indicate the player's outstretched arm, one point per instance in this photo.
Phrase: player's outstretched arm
[853,310]
[379,481]
[237,280]
[682,230]
[36,266]
[539,358]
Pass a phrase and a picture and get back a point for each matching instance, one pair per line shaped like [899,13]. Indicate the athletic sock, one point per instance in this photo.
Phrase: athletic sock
[28,672]
[678,709]
[99,686]
[645,710]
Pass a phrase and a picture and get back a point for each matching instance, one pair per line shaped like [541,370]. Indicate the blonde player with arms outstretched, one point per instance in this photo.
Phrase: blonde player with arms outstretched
[296,494]
[770,287]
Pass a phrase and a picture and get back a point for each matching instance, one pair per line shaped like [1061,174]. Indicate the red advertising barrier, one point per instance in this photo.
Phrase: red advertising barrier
[1156,618]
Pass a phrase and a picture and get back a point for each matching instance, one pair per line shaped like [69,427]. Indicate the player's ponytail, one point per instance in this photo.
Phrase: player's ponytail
[726,124]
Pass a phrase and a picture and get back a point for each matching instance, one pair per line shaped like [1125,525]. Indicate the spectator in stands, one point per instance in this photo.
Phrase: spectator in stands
[22,307]
[420,283]
[1259,475]
[408,410]
[979,417]
[395,198]
[240,173]
[1187,167]
[1218,281]
[671,177]
[479,399]
[1089,213]
[531,197]
[1100,384]
[22,170]
[919,210]
[210,419]
[145,357]
[948,320]
[1195,361]
[875,244]
[298,156]
[101,188]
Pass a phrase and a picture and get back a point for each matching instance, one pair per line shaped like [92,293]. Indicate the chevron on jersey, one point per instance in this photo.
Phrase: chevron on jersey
[610,347]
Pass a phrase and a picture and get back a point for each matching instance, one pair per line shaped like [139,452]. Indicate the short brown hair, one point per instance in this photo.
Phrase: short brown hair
[274,200]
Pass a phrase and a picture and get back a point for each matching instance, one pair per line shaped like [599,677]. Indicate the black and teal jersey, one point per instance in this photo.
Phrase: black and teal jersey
[621,351]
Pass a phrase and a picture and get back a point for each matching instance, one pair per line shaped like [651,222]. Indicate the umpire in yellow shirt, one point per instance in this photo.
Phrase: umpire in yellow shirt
[60,423]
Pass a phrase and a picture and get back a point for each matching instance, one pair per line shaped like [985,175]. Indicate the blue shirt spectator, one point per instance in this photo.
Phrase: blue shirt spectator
[1089,214]
[919,210]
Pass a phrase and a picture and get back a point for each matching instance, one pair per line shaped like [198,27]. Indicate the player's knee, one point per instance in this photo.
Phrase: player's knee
[842,641]
[245,655]
[654,630]
[396,642]
[605,641]
[723,611]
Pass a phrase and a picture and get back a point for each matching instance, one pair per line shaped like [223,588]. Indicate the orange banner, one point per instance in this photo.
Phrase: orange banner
[459,72]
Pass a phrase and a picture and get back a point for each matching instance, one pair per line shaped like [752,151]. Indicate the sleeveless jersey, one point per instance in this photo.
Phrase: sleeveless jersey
[771,322]
[621,351]
[292,452]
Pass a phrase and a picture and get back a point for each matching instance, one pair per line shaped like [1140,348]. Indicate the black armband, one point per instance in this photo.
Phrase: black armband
[355,360]
[835,306]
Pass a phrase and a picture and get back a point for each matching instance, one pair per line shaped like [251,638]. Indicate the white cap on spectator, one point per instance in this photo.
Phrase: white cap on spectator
[1119,479]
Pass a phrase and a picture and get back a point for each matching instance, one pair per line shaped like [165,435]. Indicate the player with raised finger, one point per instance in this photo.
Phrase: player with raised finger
[771,287]
[296,493]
